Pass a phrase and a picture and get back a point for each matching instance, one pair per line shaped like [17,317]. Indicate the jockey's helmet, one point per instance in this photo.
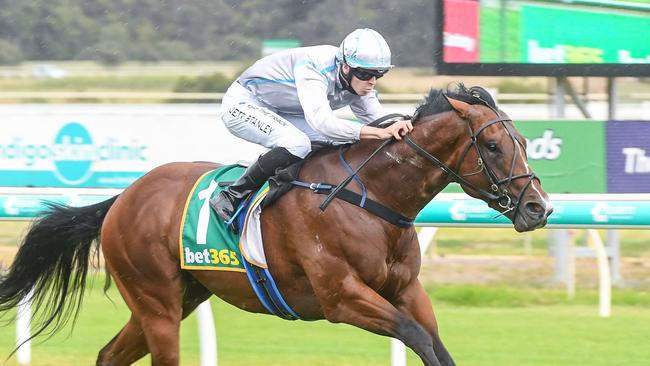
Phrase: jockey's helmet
[366,49]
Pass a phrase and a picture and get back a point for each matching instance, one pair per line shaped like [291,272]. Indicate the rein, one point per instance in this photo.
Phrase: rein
[347,180]
[501,196]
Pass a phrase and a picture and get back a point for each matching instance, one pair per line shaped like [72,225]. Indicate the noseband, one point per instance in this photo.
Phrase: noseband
[499,188]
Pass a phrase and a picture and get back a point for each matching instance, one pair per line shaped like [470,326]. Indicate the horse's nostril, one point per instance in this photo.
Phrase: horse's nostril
[535,210]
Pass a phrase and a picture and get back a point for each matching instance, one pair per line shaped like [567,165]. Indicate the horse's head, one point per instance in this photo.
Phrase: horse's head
[489,160]
[495,167]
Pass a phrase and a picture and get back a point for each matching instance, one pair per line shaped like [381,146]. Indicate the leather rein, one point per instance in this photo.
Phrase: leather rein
[499,188]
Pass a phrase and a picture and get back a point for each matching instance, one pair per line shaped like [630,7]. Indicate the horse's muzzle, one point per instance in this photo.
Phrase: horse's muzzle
[533,215]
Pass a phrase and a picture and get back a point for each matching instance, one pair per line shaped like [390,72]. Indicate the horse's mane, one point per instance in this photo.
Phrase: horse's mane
[436,102]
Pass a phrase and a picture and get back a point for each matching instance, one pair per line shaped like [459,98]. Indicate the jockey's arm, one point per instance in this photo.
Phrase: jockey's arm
[369,109]
[396,130]
[312,92]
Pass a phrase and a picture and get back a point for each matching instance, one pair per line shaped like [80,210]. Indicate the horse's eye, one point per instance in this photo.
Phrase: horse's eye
[492,146]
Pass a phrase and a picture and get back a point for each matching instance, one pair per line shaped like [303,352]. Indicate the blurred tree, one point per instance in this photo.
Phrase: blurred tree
[150,30]
[9,53]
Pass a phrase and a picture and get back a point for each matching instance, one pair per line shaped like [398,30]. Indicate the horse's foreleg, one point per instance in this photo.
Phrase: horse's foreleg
[415,302]
[356,304]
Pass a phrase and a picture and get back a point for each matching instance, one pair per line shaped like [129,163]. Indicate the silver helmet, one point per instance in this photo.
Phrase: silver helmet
[365,48]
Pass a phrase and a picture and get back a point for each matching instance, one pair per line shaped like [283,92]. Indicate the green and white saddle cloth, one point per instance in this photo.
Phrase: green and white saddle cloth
[205,241]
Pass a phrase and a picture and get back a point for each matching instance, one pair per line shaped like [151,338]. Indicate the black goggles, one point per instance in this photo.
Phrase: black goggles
[366,74]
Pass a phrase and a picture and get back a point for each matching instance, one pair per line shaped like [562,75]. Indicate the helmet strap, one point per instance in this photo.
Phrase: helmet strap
[346,80]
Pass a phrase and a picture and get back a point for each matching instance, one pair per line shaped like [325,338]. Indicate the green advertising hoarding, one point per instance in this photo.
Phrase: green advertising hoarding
[542,38]
[500,43]
[568,156]
[568,35]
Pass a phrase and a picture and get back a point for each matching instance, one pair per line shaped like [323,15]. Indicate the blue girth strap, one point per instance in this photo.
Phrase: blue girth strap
[267,292]
[261,280]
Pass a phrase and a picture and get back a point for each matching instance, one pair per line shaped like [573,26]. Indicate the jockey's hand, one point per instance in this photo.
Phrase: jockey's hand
[400,128]
[396,130]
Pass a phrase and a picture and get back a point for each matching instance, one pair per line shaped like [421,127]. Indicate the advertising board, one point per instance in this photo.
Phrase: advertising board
[544,38]
[109,146]
[628,156]
[568,156]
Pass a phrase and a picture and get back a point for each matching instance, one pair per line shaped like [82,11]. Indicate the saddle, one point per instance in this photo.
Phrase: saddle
[280,183]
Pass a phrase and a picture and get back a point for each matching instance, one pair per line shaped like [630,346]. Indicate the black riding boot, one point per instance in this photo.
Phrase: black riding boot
[226,202]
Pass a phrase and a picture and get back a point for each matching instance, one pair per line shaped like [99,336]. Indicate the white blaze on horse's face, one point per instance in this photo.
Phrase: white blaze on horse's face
[499,166]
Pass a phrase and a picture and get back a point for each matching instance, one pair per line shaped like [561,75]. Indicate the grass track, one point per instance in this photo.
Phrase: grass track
[521,334]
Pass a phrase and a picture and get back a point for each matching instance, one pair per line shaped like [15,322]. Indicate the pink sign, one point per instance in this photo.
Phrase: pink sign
[460,32]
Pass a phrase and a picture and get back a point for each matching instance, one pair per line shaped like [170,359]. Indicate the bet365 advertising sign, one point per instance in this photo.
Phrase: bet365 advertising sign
[557,34]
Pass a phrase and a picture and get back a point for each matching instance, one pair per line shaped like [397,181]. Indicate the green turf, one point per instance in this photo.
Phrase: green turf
[505,241]
[551,335]
[504,296]
[517,329]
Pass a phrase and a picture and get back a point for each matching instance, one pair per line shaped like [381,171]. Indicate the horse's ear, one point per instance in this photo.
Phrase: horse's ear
[459,106]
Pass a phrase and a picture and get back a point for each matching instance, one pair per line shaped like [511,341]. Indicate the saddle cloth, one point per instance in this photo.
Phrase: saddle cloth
[205,241]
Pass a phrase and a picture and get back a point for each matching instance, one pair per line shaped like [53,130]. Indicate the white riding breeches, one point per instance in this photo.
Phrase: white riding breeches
[248,118]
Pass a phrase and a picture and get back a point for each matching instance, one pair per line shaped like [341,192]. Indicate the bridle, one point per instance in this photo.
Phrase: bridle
[499,188]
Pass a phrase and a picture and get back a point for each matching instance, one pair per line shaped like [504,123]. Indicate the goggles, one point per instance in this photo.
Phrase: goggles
[366,74]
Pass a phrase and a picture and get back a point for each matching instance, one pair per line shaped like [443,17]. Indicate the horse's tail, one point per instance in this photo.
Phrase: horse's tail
[52,262]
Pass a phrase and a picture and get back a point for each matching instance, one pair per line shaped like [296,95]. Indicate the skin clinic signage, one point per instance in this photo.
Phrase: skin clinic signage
[109,146]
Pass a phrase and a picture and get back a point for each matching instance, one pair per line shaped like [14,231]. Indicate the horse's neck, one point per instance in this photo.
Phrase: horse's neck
[404,180]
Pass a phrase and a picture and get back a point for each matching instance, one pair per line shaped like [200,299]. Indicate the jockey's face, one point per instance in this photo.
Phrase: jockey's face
[361,87]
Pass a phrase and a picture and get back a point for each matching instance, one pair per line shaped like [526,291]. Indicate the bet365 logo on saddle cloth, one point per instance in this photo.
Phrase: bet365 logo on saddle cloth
[206,242]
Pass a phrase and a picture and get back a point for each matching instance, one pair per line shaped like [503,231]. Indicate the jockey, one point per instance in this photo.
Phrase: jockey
[285,101]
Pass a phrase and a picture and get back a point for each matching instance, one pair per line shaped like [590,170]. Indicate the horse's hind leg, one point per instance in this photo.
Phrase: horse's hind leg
[129,345]
[155,321]
[151,283]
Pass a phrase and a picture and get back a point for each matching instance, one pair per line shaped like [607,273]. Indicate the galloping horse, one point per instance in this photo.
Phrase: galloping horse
[342,264]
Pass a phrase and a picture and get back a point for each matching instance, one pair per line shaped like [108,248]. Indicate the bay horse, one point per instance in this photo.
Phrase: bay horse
[342,264]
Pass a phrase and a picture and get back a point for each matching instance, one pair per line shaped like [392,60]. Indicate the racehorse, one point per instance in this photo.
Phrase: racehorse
[343,263]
